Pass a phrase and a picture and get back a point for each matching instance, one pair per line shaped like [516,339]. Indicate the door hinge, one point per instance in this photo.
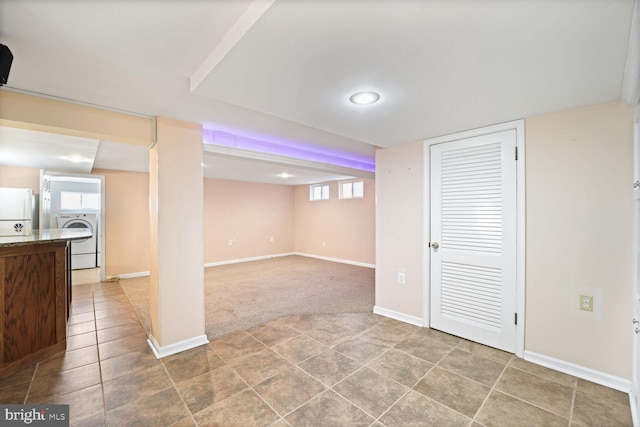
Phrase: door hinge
[516,153]
[515,320]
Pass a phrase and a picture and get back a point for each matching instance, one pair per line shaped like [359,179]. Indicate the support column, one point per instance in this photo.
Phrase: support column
[177,251]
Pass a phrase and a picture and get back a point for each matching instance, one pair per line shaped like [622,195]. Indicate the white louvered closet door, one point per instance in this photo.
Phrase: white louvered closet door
[473,226]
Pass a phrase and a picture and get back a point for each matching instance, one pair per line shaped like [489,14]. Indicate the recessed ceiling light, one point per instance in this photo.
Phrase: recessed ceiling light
[284,175]
[363,98]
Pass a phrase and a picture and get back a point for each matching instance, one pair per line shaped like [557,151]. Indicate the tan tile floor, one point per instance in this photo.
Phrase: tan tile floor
[312,370]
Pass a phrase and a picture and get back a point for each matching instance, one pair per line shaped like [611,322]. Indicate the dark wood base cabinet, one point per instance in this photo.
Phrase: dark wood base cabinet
[35,300]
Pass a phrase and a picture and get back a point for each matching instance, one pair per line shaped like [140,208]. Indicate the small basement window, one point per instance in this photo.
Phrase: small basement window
[79,201]
[319,192]
[351,190]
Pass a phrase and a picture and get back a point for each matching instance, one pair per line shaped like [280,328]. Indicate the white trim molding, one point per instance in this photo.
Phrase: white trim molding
[602,378]
[412,320]
[342,261]
[257,258]
[160,352]
[239,260]
[130,275]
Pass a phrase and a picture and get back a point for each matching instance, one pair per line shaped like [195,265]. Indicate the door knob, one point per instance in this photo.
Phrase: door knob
[435,246]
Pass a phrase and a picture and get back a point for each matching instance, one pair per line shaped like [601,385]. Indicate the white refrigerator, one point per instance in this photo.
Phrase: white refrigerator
[16,210]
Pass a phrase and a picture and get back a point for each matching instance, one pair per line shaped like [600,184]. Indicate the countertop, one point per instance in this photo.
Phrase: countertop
[46,236]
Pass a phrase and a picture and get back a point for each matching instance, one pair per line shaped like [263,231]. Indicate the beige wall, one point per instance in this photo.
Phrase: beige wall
[579,236]
[126,213]
[248,214]
[346,226]
[20,178]
[399,228]
[47,115]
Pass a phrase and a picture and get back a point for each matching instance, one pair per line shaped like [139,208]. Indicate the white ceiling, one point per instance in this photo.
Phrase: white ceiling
[284,69]
[28,148]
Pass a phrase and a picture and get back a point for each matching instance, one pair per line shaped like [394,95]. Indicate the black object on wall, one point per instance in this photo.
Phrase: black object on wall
[6,58]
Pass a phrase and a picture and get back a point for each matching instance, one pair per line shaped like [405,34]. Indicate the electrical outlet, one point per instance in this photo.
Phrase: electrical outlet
[230,242]
[401,277]
[324,244]
[271,239]
[586,302]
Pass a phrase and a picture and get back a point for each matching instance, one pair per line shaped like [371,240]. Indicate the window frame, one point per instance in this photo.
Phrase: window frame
[81,197]
[351,196]
[323,196]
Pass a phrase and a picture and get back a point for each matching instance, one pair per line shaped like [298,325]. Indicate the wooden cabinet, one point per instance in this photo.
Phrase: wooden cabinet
[34,301]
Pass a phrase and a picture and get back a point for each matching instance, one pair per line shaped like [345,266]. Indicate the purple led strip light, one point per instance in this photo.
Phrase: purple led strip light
[288,149]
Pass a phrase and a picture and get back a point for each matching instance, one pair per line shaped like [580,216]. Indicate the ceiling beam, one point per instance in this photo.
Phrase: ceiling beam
[286,161]
[254,12]
[631,79]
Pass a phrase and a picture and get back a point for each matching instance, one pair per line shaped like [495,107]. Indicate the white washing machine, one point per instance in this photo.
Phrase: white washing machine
[84,253]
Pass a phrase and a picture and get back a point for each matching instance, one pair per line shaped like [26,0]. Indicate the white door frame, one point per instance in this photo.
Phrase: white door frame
[102,221]
[631,93]
[635,393]
[518,126]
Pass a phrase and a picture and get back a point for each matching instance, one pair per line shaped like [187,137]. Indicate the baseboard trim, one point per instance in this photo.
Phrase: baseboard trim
[168,350]
[635,420]
[239,260]
[585,373]
[131,275]
[342,261]
[417,321]
[257,258]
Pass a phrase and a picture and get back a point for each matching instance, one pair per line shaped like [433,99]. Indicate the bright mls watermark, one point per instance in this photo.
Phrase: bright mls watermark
[34,415]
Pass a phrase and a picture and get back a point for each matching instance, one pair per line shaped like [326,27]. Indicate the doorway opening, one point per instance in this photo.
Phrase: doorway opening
[76,201]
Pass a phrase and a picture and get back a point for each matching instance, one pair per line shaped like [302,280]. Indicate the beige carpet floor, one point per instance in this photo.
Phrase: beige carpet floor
[240,296]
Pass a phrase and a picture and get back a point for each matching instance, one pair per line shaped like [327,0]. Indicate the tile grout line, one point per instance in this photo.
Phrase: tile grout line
[33,378]
[527,402]
[106,298]
[377,419]
[365,365]
[508,365]
[296,365]
[573,403]
[249,386]
[484,401]
[437,364]
[175,387]
[303,403]
[95,325]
